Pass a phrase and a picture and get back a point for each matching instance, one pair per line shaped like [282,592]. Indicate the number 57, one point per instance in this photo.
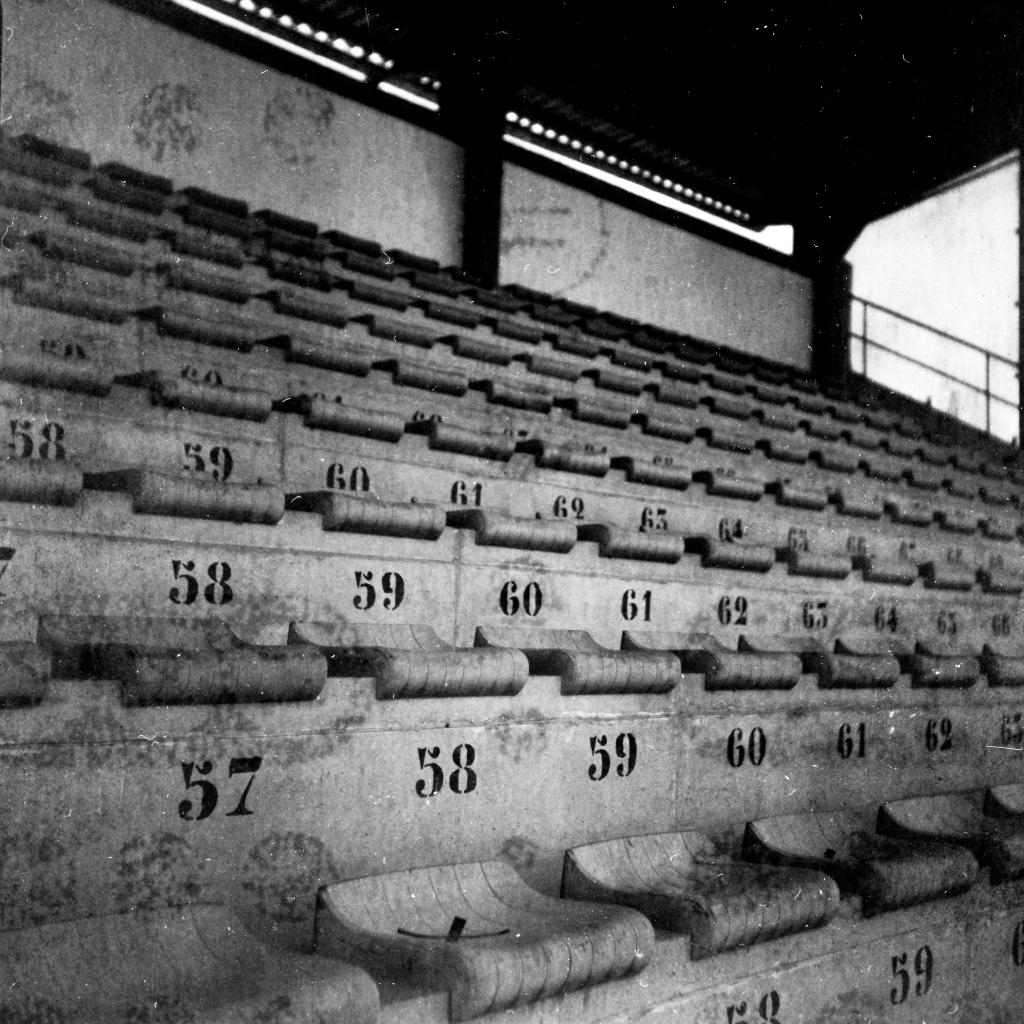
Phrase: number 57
[208,795]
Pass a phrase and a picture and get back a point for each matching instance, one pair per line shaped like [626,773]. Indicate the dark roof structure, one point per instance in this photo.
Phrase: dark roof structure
[824,115]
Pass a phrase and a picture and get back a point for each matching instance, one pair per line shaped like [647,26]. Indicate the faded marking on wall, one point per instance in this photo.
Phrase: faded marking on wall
[284,872]
[39,107]
[167,120]
[520,852]
[31,1010]
[556,241]
[157,870]
[37,879]
[296,123]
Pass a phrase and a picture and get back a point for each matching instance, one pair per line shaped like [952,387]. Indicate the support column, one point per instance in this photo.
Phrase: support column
[1020,288]
[820,250]
[473,106]
[830,333]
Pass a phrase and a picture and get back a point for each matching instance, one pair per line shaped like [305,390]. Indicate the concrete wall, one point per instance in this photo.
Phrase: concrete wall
[94,75]
[123,87]
[562,240]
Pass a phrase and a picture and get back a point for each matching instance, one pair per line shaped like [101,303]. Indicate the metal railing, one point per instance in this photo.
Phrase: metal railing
[866,342]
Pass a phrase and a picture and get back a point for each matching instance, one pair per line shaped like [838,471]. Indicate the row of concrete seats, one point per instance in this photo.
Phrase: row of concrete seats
[198,321]
[636,573]
[295,231]
[699,514]
[81,243]
[543,376]
[385,411]
[78,401]
[684,492]
[714,424]
[233,237]
[411,923]
[694,446]
[205,661]
[454,364]
[480,932]
[175,966]
[421,270]
[836,843]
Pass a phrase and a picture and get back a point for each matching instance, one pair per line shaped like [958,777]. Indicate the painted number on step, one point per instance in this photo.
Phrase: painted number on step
[73,351]
[6,554]
[186,589]
[814,614]
[625,751]
[732,611]
[851,740]
[730,529]
[566,507]
[467,492]
[1011,730]
[938,734]
[203,795]
[30,440]
[740,749]
[196,374]
[462,778]
[342,478]
[764,1011]
[886,618]
[653,518]
[911,976]
[636,604]
[513,599]
[390,591]
[216,462]
[1017,945]
[1001,624]
[798,539]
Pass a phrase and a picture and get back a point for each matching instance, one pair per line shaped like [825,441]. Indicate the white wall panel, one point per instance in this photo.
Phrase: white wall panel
[559,239]
[123,87]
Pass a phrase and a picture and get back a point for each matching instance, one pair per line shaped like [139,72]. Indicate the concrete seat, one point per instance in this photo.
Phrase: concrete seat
[723,667]
[496,529]
[930,663]
[479,931]
[1002,661]
[845,666]
[176,392]
[1005,801]
[113,306]
[313,308]
[184,316]
[174,965]
[959,818]
[886,873]
[363,515]
[185,275]
[584,665]
[41,370]
[169,661]
[681,882]
[742,555]
[413,661]
[40,482]
[25,671]
[167,494]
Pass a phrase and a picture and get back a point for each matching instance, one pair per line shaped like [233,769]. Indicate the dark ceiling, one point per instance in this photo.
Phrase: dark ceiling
[826,115]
